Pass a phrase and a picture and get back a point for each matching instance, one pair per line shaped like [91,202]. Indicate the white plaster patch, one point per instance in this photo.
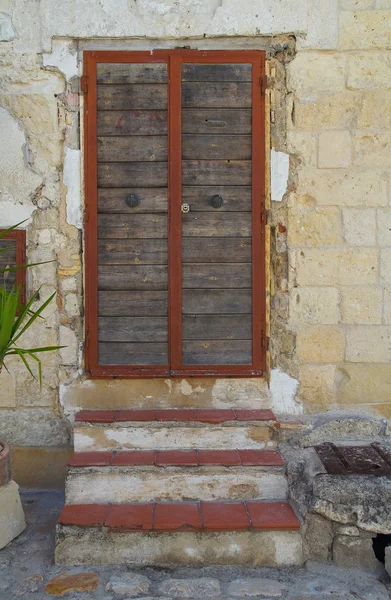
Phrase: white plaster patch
[279,165]
[7,32]
[72,180]
[283,390]
[63,57]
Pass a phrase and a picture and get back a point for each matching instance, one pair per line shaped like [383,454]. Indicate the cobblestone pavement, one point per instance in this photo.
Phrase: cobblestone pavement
[27,571]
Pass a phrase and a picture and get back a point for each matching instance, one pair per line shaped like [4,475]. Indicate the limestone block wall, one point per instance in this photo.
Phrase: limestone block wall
[330,219]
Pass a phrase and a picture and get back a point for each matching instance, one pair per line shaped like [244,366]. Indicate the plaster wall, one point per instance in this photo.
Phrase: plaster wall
[330,219]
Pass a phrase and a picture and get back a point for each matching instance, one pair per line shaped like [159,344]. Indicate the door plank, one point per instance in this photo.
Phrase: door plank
[133,251]
[133,303]
[217,327]
[133,278]
[113,200]
[215,95]
[132,148]
[217,224]
[132,122]
[136,353]
[216,147]
[220,172]
[133,97]
[196,302]
[216,72]
[217,352]
[209,120]
[132,174]
[133,329]
[216,250]
[125,73]
[235,198]
[119,226]
[216,276]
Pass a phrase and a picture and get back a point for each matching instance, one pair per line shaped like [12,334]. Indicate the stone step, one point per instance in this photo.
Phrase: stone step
[123,477]
[174,429]
[250,533]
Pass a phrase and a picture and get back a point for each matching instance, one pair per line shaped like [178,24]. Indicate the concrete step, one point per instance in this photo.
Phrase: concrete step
[174,429]
[188,533]
[144,476]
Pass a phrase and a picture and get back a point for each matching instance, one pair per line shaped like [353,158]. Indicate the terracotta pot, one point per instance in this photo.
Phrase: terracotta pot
[4,463]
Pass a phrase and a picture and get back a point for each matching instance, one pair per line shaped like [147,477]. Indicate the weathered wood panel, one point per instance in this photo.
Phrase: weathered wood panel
[7,259]
[214,95]
[132,122]
[219,224]
[217,352]
[138,353]
[133,251]
[133,329]
[133,303]
[118,226]
[216,276]
[196,302]
[132,148]
[215,250]
[133,97]
[218,172]
[123,73]
[216,147]
[216,72]
[132,174]
[235,198]
[217,327]
[209,120]
[141,277]
[113,200]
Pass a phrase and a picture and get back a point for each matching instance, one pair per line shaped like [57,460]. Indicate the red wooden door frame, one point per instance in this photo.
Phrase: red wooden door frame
[174,60]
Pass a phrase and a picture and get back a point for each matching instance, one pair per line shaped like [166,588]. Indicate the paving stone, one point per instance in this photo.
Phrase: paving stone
[72,582]
[130,584]
[203,587]
[256,587]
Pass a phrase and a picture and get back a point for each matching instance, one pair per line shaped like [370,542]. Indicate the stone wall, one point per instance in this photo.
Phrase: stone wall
[330,224]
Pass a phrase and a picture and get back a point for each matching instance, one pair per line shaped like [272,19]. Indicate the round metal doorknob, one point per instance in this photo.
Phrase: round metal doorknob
[132,200]
[217,201]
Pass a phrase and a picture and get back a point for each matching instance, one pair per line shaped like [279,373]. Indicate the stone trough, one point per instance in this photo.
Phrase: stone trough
[12,521]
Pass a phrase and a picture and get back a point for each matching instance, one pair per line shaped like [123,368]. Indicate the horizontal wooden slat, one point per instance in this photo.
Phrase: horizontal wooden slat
[216,327]
[117,73]
[216,147]
[137,353]
[132,329]
[141,277]
[214,95]
[132,174]
[217,352]
[132,97]
[223,224]
[113,200]
[209,120]
[7,259]
[196,302]
[132,122]
[216,276]
[216,250]
[235,198]
[118,226]
[133,251]
[216,72]
[132,148]
[133,303]
[218,172]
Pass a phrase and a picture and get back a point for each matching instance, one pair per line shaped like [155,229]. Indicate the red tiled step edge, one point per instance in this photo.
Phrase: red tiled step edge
[167,415]
[183,516]
[185,458]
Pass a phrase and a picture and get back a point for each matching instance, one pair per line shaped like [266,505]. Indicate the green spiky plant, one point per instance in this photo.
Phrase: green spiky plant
[16,318]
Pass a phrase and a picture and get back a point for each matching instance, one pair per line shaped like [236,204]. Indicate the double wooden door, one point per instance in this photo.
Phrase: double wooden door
[174,171]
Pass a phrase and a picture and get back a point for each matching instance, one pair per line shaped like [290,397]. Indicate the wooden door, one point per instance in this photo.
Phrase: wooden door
[175,273]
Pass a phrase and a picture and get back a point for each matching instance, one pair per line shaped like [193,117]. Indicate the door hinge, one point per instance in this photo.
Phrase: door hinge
[263,84]
[84,83]
[264,341]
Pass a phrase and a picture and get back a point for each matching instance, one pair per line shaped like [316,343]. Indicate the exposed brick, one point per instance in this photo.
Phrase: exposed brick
[176,415]
[90,459]
[261,458]
[215,416]
[136,415]
[176,458]
[133,458]
[224,516]
[130,517]
[177,517]
[219,457]
[272,515]
[83,515]
[254,415]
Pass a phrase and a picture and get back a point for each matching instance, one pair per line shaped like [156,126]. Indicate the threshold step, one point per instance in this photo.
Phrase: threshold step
[175,415]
